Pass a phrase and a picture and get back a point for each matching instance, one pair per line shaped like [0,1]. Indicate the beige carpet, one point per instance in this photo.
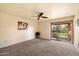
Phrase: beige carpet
[40,48]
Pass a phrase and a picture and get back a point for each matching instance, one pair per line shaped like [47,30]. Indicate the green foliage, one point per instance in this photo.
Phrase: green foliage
[61,31]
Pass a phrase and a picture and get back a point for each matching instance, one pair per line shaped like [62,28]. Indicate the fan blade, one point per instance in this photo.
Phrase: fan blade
[44,17]
[40,14]
[38,18]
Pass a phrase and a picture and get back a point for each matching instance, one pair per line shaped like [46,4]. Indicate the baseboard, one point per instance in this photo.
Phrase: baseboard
[13,43]
[43,39]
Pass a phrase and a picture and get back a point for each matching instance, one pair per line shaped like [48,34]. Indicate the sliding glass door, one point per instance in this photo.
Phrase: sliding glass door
[61,31]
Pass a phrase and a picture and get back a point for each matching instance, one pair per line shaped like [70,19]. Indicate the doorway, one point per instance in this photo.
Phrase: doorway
[62,31]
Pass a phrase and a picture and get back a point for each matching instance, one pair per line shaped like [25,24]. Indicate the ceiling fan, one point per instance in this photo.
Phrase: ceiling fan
[40,15]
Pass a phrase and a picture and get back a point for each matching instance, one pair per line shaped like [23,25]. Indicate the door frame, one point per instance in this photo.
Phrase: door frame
[65,22]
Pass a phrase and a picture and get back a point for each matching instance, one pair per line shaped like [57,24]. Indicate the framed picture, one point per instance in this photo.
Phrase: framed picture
[22,25]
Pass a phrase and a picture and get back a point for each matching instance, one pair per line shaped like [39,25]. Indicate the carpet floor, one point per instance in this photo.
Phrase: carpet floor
[40,48]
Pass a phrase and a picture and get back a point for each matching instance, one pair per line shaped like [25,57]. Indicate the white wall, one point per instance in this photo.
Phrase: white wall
[44,29]
[76,31]
[8,30]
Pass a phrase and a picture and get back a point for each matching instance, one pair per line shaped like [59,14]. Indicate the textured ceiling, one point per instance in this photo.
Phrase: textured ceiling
[29,10]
